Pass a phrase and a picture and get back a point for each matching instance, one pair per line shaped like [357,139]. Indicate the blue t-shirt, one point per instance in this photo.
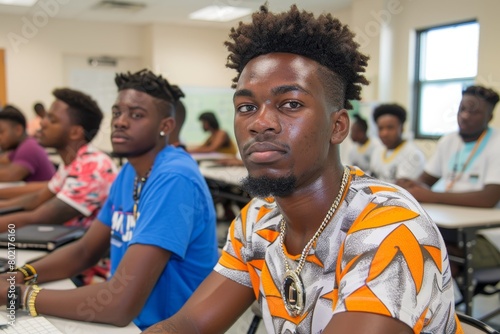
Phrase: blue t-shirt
[176,213]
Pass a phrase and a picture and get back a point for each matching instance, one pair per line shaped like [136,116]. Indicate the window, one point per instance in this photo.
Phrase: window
[446,63]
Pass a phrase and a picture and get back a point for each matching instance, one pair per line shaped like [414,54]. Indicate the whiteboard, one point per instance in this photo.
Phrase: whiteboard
[201,99]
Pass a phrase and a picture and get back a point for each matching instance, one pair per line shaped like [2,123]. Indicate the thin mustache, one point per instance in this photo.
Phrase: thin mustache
[278,144]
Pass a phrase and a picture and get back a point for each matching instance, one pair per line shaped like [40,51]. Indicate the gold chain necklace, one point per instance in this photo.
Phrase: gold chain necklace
[293,288]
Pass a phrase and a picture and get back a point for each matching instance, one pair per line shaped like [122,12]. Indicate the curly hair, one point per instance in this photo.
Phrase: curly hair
[487,94]
[323,39]
[83,110]
[390,109]
[154,85]
[13,114]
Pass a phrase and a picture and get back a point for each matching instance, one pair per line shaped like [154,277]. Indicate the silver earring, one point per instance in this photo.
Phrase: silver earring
[162,134]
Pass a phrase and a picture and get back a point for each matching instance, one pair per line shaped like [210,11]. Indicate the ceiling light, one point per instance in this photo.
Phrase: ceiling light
[219,13]
[26,3]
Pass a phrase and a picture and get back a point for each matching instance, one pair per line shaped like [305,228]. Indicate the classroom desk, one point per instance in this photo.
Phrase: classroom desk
[65,325]
[466,221]
[224,181]
[211,156]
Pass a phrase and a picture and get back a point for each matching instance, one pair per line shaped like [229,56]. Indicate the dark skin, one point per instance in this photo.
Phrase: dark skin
[390,131]
[216,140]
[473,117]
[280,99]
[42,206]
[10,192]
[136,127]
[358,135]
[11,136]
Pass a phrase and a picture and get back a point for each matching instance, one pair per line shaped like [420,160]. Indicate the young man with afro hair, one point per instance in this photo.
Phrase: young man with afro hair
[322,247]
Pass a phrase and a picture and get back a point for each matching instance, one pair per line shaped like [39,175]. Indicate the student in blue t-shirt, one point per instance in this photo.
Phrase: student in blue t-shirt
[158,221]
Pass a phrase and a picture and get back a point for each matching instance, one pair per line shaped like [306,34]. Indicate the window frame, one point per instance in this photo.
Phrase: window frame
[419,83]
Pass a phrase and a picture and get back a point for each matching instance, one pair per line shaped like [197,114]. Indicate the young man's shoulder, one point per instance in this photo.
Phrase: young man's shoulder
[91,153]
[176,160]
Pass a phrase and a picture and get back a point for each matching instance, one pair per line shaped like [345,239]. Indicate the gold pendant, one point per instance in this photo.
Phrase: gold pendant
[293,293]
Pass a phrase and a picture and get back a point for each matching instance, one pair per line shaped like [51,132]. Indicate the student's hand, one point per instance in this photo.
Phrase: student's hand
[420,191]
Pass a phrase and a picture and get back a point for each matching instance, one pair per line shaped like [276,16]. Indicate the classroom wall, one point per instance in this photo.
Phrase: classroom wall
[195,58]
[35,57]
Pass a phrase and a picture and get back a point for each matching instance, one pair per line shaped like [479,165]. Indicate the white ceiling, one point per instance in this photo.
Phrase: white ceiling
[161,11]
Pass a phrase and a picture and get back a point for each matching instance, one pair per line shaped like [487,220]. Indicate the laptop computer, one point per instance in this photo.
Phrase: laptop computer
[41,237]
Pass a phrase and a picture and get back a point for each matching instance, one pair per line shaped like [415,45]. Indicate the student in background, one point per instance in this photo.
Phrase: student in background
[34,125]
[26,159]
[159,221]
[218,141]
[360,154]
[180,116]
[80,186]
[396,158]
[465,168]
[333,251]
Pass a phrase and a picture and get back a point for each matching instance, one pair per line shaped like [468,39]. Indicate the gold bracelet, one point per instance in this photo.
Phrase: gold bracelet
[23,271]
[31,300]
[29,273]
[30,267]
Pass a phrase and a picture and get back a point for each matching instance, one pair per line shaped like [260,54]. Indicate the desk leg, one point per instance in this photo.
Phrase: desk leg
[469,240]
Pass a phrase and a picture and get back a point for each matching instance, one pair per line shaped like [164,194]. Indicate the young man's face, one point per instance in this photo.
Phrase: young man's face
[473,116]
[135,124]
[55,126]
[390,130]
[283,124]
[10,134]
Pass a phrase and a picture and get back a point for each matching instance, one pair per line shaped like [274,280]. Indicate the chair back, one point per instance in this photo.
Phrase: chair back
[471,325]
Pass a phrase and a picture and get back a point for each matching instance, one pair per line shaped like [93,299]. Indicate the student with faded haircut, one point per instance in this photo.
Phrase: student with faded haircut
[26,159]
[74,195]
[159,222]
[323,248]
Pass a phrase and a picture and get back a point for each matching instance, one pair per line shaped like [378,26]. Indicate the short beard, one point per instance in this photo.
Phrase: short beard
[265,186]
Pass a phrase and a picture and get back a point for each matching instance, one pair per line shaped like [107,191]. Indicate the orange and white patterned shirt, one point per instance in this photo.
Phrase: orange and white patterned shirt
[381,253]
